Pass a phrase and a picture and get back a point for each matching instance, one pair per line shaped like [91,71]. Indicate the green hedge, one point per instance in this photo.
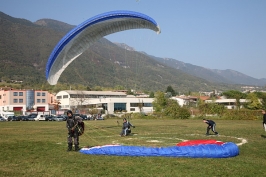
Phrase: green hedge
[242,114]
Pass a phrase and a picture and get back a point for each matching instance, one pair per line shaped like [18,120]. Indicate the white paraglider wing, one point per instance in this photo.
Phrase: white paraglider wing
[79,39]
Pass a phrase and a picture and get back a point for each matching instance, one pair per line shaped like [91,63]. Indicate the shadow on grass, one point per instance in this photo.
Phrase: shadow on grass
[263,136]
[132,134]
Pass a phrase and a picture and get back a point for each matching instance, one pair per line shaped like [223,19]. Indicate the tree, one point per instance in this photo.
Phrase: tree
[172,108]
[140,106]
[119,87]
[171,90]
[129,92]
[159,102]
[151,95]
[79,100]
[88,88]
[184,113]
[97,88]
[211,108]
[254,102]
[234,94]
[262,97]
[169,107]
[57,105]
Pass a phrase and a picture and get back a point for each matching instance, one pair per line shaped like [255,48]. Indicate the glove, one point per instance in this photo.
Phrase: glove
[70,131]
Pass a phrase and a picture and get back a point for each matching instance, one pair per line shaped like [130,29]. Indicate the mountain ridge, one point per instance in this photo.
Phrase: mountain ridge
[26,46]
[214,75]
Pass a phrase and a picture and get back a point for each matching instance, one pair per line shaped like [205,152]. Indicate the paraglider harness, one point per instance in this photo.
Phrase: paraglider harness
[80,126]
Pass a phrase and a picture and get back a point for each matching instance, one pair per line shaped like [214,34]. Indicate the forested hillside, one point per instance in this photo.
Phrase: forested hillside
[25,48]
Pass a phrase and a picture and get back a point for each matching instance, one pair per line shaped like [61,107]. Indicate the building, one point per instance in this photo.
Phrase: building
[228,103]
[185,100]
[23,101]
[109,101]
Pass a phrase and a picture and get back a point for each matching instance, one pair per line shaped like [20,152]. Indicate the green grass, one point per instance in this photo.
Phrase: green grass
[39,149]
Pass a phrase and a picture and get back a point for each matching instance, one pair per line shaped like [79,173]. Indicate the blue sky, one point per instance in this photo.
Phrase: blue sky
[215,34]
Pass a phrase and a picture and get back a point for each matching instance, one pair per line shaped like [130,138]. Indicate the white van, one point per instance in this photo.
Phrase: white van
[7,114]
[40,117]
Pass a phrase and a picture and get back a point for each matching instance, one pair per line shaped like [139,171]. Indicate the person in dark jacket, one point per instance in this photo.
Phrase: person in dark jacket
[211,126]
[73,134]
[264,119]
[126,127]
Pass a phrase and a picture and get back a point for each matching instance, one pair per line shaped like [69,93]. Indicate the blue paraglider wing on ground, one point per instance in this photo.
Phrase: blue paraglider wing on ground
[224,150]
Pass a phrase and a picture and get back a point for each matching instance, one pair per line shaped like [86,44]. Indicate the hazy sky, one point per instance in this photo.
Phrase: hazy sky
[215,34]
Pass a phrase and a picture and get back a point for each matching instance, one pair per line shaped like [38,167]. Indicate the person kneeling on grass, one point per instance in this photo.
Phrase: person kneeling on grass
[126,128]
[211,125]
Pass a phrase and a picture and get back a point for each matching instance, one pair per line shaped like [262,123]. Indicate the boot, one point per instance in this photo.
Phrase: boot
[76,147]
[69,147]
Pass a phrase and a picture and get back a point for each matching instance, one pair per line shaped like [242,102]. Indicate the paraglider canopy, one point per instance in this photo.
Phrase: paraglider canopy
[84,35]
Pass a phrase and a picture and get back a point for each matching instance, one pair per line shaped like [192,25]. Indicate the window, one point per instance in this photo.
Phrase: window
[59,97]
[147,105]
[38,93]
[142,104]
[120,106]
[43,93]
[133,104]
[15,93]
[20,100]
[132,109]
[43,100]
[20,93]
[73,96]
[65,96]
[38,100]
[15,100]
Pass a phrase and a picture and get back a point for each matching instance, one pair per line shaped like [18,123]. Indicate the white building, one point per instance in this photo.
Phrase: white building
[228,103]
[185,100]
[108,100]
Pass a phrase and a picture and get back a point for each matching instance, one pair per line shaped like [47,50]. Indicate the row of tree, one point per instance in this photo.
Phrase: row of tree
[164,106]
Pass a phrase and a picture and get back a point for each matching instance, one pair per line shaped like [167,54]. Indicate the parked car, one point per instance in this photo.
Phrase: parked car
[100,118]
[64,117]
[23,118]
[49,118]
[12,118]
[84,117]
[40,117]
[2,119]
[32,117]
[58,118]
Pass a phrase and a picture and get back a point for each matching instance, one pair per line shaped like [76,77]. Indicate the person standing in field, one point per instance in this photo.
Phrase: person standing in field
[73,131]
[264,119]
[211,126]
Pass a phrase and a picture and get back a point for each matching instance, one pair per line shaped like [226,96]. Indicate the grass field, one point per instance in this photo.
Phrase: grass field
[39,149]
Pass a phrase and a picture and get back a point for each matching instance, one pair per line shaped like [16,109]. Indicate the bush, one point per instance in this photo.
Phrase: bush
[242,114]
[184,113]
